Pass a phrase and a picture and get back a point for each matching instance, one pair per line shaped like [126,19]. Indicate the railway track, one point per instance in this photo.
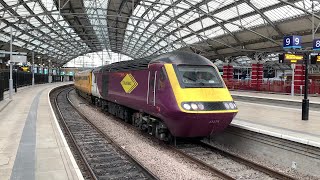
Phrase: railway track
[224,164]
[102,157]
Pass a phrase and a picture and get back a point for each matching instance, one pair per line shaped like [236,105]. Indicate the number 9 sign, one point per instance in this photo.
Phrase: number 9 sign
[292,42]
[288,41]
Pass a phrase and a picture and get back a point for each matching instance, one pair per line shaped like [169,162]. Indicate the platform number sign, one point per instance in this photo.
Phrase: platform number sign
[316,44]
[293,42]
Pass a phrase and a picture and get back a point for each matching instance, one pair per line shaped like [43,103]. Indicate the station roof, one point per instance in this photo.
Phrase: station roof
[60,30]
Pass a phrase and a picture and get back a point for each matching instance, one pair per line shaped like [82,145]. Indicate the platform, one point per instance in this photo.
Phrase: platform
[274,96]
[276,119]
[32,145]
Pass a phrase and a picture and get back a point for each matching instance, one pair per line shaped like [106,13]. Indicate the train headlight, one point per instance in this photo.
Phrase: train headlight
[226,105]
[201,106]
[194,106]
[186,106]
[231,105]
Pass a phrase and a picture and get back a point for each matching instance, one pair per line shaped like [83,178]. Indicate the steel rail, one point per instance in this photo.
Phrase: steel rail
[216,171]
[73,141]
[115,144]
[247,162]
[210,168]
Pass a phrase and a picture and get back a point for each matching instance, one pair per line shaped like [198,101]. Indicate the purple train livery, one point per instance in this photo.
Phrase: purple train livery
[177,94]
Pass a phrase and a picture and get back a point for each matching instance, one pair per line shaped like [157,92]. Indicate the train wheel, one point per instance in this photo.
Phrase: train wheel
[171,139]
[127,116]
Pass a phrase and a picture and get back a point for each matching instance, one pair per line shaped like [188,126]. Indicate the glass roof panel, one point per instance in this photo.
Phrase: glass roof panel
[11,2]
[244,8]
[262,4]
[155,26]
[23,11]
[97,59]
[190,16]
[283,12]
[196,26]
[49,5]
[214,32]
[207,22]
[2,25]
[37,8]
[163,19]
[252,21]
[232,27]
[192,39]
[227,14]
[217,4]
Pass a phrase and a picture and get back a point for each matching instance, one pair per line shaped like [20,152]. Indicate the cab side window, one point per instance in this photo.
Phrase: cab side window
[162,79]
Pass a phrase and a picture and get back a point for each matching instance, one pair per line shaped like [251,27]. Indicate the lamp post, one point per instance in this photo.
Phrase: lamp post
[305,101]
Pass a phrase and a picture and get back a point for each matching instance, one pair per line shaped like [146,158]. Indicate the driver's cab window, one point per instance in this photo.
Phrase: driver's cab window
[199,76]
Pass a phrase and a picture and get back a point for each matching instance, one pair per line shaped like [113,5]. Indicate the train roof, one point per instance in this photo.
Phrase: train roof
[176,57]
[181,57]
[84,72]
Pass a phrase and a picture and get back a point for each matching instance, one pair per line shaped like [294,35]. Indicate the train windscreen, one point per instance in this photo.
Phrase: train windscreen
[199,76]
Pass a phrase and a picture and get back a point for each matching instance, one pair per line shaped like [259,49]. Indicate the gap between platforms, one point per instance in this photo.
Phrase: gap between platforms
[275,134]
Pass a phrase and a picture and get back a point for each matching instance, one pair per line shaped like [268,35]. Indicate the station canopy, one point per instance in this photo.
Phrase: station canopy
[61,30]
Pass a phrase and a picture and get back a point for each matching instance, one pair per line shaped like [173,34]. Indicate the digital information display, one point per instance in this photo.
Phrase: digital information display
[315,59]
[292,58]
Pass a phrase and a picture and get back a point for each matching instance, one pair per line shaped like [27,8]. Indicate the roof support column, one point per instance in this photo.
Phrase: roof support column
[11,63]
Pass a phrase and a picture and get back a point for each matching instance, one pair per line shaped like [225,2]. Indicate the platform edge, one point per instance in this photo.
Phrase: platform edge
[278,135]
[72,159]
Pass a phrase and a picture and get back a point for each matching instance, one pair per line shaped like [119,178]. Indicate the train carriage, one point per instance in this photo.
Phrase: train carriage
[178,94]
[83,82]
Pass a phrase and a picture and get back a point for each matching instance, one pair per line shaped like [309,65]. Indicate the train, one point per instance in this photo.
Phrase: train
[177,94]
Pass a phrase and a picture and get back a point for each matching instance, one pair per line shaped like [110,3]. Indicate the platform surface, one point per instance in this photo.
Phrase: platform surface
[297,98]
[278,120]
[31,143]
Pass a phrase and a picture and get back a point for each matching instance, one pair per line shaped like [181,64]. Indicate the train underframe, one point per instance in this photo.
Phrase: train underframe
[143,121]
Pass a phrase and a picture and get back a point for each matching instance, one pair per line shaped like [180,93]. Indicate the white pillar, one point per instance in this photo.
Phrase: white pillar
[10,80]
[32,68]
[293,66]
[102,58]
[49,72]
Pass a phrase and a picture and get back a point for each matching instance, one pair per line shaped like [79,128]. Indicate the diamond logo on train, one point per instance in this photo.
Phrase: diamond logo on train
[128,83]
